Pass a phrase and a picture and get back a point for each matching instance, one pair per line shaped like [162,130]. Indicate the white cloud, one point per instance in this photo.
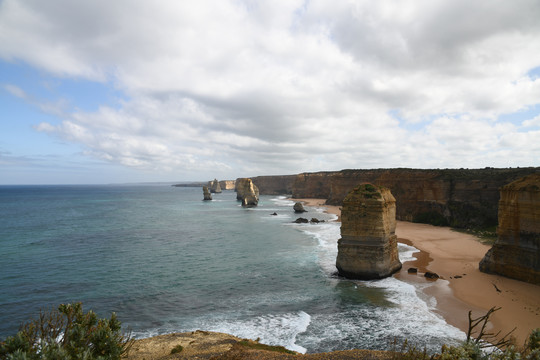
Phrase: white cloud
[292,85]
[534,122]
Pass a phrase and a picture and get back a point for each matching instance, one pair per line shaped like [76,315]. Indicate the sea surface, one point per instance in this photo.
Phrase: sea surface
[166,261]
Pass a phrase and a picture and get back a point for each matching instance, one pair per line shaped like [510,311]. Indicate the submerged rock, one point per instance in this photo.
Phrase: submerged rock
[431,275]
[301,221]
[206,193]
[516,253]
[368,245]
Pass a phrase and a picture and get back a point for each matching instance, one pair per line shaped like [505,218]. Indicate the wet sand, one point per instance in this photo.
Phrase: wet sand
[454,256]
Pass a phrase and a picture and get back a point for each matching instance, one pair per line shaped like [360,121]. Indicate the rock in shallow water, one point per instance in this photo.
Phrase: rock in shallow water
[368,245]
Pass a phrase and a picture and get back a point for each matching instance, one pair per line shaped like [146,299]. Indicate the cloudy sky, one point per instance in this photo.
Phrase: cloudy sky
[129,90]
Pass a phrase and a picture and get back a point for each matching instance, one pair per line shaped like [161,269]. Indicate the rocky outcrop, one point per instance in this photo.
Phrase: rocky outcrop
[368,245]
[247,192]
[227,184]
[456,197]
[206,193]
[299,208]
[516,253]
[275,184]
[214,186]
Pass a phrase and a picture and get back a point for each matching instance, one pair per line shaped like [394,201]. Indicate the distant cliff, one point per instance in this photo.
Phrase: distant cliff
[227,184]
[456,197]
[275,185]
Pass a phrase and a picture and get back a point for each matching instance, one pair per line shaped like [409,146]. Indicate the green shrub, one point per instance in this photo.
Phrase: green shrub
[177,349]
[67,333]
[430,217]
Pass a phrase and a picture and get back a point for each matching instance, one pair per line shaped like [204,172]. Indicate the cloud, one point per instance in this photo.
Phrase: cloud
[287,86]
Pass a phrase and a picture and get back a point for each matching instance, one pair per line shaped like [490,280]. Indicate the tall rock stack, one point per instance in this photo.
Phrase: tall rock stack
[247,192]
[206,193]
[214,186]
[516,253]
[368,245]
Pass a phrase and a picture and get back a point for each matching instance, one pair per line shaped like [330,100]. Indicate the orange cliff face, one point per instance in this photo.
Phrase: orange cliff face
[516,253]
[456,197]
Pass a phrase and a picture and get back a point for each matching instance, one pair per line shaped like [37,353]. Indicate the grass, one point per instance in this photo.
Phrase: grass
[258,346]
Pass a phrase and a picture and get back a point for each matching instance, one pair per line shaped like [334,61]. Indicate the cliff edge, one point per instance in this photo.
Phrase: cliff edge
[516,253]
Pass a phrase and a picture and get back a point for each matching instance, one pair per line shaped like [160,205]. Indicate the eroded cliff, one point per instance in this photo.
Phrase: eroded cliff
[456,197]
[275,184]
[516,253]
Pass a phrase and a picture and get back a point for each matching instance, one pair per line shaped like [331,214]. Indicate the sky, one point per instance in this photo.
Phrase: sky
[154,91]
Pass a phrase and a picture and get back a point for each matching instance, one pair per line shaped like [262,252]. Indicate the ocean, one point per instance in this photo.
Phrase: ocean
[166,261]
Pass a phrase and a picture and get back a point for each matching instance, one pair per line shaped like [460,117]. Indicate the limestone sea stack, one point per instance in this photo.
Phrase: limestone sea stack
[206,193]
[247,192]
[214,186]
[516,253]
[368,245]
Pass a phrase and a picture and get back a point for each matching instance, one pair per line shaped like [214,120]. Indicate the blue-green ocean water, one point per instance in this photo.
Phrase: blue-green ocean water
[166,261]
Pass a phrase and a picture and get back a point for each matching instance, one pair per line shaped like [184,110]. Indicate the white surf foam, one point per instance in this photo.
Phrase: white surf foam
[270,329]
[411,315]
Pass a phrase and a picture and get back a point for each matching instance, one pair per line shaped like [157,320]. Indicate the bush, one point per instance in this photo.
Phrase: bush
[67,333]
[430,217]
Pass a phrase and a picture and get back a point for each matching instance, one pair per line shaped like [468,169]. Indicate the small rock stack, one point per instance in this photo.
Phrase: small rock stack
[206,193]
[368,245]
[516,253]
[214,186]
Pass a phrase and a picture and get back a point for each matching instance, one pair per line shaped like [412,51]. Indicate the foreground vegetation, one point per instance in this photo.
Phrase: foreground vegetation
[69,333]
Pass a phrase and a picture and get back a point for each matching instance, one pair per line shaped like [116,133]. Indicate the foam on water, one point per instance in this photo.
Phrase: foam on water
[271,329]
[399,310]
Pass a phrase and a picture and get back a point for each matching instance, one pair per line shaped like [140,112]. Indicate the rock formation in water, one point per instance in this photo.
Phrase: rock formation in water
[247,192]
[516,253]
[227,184]
[368,245]
[214,186]
[299,208]
[206,193]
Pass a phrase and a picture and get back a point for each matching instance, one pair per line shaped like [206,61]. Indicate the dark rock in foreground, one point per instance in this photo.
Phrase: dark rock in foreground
[299,208]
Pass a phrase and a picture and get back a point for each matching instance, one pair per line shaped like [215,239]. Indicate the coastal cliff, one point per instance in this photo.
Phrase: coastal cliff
[456,197]
[275,184]
[227,184]
[516,253]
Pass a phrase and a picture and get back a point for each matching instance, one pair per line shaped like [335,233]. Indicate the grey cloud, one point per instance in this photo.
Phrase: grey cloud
[235,85]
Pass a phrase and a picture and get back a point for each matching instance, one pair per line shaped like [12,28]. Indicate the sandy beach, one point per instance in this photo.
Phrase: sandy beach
[454,256]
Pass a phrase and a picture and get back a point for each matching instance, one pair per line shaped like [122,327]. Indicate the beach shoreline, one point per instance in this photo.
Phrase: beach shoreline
[461,288]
